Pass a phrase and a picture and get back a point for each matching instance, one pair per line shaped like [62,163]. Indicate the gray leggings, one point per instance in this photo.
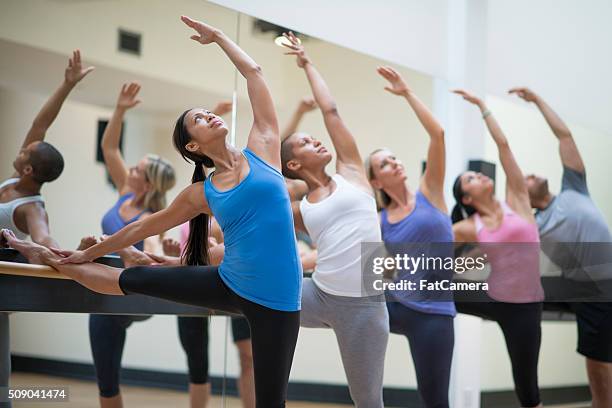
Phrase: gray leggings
[5,354]
[362,330]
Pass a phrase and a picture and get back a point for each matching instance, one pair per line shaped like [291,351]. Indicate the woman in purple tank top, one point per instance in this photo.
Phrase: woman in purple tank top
[416,222]
[508,234]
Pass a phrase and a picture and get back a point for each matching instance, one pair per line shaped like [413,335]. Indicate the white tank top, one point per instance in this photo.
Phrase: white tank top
[7,209]
[338,225]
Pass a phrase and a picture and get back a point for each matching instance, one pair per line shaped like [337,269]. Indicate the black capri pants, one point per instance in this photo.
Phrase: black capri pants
[273,332]
[107,335]
[521,326]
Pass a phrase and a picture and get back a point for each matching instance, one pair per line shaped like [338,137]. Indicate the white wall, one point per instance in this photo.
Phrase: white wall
[373,29]
[558,46]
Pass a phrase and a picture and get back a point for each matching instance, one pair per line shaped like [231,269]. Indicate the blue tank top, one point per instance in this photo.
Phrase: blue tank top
[112,221]
[261,261]
[425,231]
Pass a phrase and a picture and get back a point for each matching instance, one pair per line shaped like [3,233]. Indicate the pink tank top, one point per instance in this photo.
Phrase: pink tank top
[514,257]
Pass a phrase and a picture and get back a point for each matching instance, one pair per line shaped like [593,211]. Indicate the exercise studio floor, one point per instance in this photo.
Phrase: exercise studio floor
[82,395]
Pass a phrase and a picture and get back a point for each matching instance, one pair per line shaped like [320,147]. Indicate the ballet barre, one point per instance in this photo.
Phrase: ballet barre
[38,288]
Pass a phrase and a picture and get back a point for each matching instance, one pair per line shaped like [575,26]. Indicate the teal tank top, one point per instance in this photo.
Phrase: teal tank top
[261,261]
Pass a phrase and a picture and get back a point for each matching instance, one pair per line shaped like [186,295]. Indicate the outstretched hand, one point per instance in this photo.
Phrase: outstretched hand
[398,85]
[297,49]
[524,93]
[75,71]
[128,96]
[469,97]
[206,33]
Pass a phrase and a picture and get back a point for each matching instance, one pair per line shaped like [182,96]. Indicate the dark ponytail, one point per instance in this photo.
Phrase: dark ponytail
[196,250]
[460,211]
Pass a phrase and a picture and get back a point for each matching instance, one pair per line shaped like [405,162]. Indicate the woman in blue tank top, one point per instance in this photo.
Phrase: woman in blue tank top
[248,197]
[416,223]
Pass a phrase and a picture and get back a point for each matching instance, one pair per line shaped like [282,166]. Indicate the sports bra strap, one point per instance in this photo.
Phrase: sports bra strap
[8,182]
[27,200]
[477,222]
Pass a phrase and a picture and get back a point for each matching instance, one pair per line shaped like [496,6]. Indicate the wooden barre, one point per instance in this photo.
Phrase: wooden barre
[23,269]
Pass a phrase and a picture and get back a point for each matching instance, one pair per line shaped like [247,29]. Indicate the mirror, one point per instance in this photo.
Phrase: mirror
[142,41]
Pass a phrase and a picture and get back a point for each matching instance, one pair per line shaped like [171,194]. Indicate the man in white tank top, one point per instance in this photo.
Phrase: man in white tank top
[21,205]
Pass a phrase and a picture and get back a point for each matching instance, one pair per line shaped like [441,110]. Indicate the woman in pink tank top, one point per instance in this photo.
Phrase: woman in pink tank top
[508,234]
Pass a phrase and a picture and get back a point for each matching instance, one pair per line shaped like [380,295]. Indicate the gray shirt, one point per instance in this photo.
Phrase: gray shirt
[574,233]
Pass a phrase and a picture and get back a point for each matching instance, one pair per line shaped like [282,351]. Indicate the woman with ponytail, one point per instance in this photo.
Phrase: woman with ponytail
[247,195]
[508,234]
[416,222]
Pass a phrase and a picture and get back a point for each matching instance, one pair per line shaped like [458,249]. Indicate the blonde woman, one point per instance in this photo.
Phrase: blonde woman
[142,191]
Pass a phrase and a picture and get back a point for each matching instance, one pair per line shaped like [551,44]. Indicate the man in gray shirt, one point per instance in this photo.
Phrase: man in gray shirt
[575,236]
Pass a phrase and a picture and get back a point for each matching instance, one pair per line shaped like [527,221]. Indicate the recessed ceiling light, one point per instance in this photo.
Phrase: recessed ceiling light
[282,40]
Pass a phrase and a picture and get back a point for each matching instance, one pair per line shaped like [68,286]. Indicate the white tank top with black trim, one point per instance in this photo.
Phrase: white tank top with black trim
[7,209]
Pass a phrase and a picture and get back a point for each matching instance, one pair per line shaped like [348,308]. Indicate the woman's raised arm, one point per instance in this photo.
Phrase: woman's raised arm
[264,137]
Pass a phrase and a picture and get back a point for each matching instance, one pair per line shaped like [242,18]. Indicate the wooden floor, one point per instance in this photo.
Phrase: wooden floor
[83,394]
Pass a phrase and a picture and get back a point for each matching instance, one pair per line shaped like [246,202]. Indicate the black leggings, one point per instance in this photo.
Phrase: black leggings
[273,332]
[431,338]
[107,338]
[520,323]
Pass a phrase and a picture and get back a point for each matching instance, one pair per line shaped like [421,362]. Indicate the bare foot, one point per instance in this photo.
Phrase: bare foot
[34,253]
[87,242]
[171,247]
[131,256]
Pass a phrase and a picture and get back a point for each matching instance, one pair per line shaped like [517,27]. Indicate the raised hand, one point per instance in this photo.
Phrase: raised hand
[524,93]
[206,33]
[128,96]
[75,71]
[307,104]
[398,85]
[469,97]
[222,108]
[297,49]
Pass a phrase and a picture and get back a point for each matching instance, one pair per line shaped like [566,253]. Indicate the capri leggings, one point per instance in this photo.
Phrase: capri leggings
[520,324]
[273,332]
[431,338]
[107,338]
[361,326]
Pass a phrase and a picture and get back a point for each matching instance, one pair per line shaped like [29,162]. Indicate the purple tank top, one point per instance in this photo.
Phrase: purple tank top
[112,221]
[425,231]
[514,258]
